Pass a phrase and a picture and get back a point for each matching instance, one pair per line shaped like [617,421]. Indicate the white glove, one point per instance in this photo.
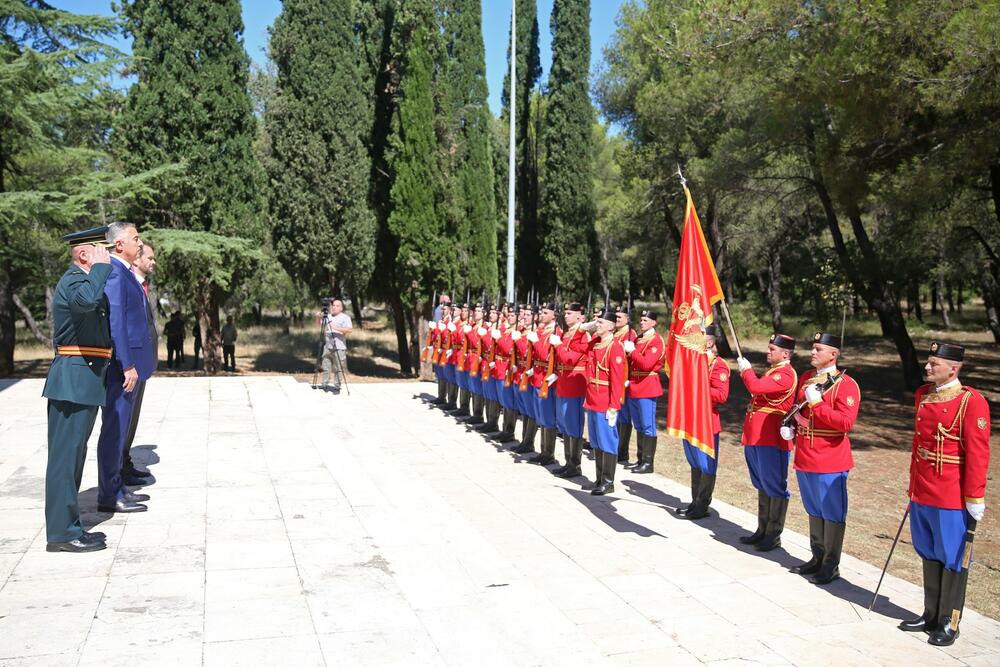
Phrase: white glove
[532,337]
[467,328]
[531,371]
[787,432]
[442,326]
[629,347]
[612,418]
[555,340]
[743,364]
[493,364]
[813,395]
[495,334]
[481,331]
[588,326]
[430,348]
[451,327]
[515,335]
[431,324]
[449,353]
[976,510]
[627,383]
[551,379]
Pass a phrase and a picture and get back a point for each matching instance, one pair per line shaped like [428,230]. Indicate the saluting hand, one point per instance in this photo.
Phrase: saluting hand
[131,378]
[100,255]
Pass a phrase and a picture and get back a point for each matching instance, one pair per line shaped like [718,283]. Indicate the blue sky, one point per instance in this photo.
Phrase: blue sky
[259,14]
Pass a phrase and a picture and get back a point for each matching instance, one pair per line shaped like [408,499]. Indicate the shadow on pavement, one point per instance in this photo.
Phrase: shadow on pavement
[603,508]
[7,384]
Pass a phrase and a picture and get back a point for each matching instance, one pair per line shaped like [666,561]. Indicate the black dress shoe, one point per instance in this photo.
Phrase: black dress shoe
[128,480]
[135,472]
[603,488]
[94,537]
[681,511]
[943,636]
[542,460]
[122,506]
[925,623]
[133,497]
[76,546]
[569,472]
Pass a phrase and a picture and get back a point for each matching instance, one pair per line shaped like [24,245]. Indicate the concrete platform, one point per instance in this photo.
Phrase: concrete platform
[288,526]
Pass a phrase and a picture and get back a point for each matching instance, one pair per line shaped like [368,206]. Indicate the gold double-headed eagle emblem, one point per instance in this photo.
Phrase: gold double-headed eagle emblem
[692,333]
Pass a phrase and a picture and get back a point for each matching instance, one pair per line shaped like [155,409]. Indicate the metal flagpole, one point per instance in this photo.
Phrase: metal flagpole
[512,151]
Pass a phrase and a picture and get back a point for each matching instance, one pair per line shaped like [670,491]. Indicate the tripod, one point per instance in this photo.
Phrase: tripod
[321,349]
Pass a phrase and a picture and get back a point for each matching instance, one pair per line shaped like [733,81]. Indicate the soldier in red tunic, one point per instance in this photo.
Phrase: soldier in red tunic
[545,406]
[624,334]
[474,333]
[704,465]
[571,386]
[823,455]
[524,353]
[766,452]
[449,359]
[504,374]
[645,359]
[605,395]
[948,468]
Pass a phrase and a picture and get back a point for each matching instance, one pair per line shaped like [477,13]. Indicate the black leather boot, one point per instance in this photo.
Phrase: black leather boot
[951,606]
[624,436]
[528,437]
[442,391]
[451,392]
[567,456]
[647,451]
[607,484]
[506,433]
[695,482]
[699,510]
[463,404]
[478,403]
[574,454]
[928,621]
[547,455]
[833,544]
[492,415]
[598,470]
[777,508]
[763,506]
[811,566]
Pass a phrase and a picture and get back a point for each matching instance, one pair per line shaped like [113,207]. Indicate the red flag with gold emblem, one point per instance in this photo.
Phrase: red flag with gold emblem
[689,403]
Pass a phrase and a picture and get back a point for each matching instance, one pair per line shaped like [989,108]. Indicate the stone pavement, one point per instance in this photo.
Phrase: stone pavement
[292,527]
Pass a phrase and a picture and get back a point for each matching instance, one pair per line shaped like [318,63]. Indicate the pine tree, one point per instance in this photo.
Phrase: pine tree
[318,166]
[190,104]
[567,197]
[529,71]
[470,128]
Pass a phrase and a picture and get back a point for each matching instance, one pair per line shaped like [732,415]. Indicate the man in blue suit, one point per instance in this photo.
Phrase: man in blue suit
[133,361]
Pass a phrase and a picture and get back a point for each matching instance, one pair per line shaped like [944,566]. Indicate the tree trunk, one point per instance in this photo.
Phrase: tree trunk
[356,310]
[913,299]
[950,296]
[399,320]
[991,297]
[205,307]
[944,309]
[722,344]
[8,320]
[961,297]
[774,289]
[30,321]
[49,315]
[934,296]
[870,284]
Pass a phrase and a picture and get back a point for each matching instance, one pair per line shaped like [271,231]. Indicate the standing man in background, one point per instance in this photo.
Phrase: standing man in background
[143,268]
[441,310]
[75,386]
[134,361]
[336,326]
[229,336]
[174,331]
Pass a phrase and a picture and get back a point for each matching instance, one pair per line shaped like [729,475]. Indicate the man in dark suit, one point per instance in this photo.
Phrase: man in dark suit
[75,386]
[143,269]
[134,360]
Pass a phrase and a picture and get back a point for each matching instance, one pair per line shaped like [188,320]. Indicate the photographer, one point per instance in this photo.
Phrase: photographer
[335,324]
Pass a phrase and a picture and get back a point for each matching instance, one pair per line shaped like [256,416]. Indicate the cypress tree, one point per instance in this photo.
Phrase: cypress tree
[473,174]
[567,195]
[191,105]
[318,167]
[529,71]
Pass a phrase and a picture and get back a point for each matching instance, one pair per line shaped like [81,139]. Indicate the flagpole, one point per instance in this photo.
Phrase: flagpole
[511,151]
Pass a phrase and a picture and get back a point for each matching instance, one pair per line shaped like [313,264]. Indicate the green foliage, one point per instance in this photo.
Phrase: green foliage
[317,163]
[190,105]
[567,196]
[189,261]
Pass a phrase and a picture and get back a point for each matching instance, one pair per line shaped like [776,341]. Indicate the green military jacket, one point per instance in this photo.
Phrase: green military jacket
[80,317]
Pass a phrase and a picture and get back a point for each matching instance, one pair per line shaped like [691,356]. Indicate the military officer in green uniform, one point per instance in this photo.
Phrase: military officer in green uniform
[75,386]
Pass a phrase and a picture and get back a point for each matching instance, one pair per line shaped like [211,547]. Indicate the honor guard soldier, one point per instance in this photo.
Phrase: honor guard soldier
[490,334]
[524,352]
[948,472]
[605,396]
[503,373]
[449,358]
[704,465]
[571,387]
[823,455]
[624,334]
[766,452]
[434,329]
[474,336]
[460,347]
[542,378]
[645,359]
[76,386]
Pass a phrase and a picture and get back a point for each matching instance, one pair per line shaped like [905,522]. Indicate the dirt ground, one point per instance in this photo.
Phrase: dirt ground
[881,442]
[881,439]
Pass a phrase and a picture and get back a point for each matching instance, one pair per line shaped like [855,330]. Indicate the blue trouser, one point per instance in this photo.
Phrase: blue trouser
[506,396]
[700,460]
[461,378]
[768,469]
[643,414]
[70,425]
[602,436]
[624,413]
[475,384]
[824,494]
[545,408]
[569,416]
[526,404]
[939,534]
[449,373]
[490,389]
[115,417]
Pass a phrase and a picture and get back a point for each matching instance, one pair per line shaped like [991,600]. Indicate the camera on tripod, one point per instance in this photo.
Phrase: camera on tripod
[326,301]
